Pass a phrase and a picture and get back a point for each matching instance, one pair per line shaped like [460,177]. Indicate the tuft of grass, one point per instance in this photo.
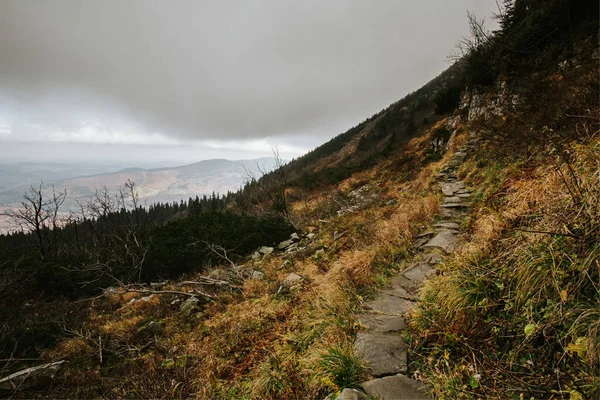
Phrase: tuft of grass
[341,366]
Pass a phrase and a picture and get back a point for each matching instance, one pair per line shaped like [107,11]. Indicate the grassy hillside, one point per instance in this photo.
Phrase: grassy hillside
[513,314]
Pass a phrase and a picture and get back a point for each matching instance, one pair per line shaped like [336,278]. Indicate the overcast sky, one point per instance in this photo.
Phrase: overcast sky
[190,80]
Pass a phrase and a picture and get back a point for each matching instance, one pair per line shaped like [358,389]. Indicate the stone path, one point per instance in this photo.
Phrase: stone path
[379,342]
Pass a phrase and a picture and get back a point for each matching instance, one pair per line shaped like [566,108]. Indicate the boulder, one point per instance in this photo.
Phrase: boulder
[189,306]
[265,250]
[285,244]
[291,280]
[294,236]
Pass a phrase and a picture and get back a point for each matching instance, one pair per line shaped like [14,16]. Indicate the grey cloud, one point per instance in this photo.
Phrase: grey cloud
[220,69]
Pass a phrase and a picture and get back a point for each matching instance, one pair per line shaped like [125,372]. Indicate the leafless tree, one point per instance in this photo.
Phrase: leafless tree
[38,214]
[479,36]
[272,186]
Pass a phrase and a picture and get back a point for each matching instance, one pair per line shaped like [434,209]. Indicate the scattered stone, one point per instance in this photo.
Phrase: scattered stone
[319,252]
[294,236]
[395,387]
[265,250]
[390,202]
[285,244]
[391,305]
[175,301]
[256,256]
[17,379]
[146,299]
[257,276]
[443,240]
[351,394]
[383,353]
[310,235]
[189,306]
[292,280]
[291,248]
[464,195]
[381,322]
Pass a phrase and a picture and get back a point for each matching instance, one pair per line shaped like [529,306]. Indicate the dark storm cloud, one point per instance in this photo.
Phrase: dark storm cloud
[221,70]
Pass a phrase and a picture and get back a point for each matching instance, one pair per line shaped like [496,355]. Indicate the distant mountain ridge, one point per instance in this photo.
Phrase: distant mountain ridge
[154,184]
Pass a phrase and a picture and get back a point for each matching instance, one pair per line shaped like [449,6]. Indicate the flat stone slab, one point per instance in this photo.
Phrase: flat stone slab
[383,353]
[448,225]
[455,205]
[450,188]
[381,322]
[397,387]
[399,291]
[443,240]
[390,305]
[464,195]
[432,258]
[407,284]
[419,272]
[452,199]
[352,394]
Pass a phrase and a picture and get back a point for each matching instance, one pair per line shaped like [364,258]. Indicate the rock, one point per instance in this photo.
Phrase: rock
[425,234]
[294,236]
[390,305]
[175,301]
[418,273]
[395,387]
[443,240]
[146,299]
[432,258]
[285,264]
[292,280]
[257,276]
[381,323]
[256,256]
[383,353]
[189,306]
[390,202]
[17,379]
[400,292]
[464,195]
[452,199]
[291,248]
[455,205]
[310,235]
[157,285]
[319,252]
[351,394]
[285,244]
[449,225]
[265,250]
